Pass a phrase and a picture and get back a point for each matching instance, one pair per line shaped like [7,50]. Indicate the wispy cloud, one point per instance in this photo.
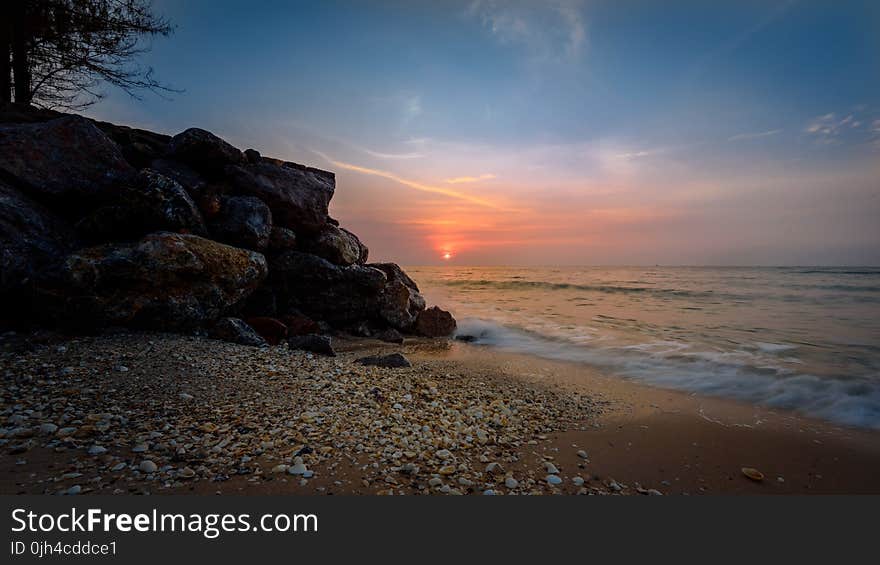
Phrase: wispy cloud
[547,30]
[464,180]
[747,136]
[832,129]
[381,155]
[411,183]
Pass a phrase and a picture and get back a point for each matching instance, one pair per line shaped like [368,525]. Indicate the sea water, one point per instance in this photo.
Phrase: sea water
[799,338]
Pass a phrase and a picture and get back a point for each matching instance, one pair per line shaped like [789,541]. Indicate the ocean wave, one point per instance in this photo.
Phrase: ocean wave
[546,285]
[734,374]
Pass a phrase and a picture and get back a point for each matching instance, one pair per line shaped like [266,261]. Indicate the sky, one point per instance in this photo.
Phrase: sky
[562,132]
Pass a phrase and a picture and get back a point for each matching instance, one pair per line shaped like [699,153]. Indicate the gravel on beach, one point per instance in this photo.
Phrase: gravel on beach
[161,413]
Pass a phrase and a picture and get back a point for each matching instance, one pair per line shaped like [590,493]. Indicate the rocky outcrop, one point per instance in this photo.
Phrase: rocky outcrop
[321,344]
[391,361]
[105,225]
[164,280]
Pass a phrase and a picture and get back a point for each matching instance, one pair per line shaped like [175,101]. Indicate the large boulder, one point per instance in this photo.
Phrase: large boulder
[154,202]
[400,302]
[203,150]
[32,241]
[282,239]
[67,163]
[337,245]
[298,196]
[164,280]
[324,291]
[139,147]
[435,322]
[243,221]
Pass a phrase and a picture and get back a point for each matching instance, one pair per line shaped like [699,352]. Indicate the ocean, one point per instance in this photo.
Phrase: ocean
[800,338]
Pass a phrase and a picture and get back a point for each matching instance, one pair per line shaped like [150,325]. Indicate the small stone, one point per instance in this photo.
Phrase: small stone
[582,454]
[185,396]
[447,470]
[553,479]
[578,481]
[121,368]
[97,450]
[435,482]
[140,448]
[298,467]
[511,483]
[282,468]
[186,473]
[147,466]
[488,492]
[64,432]
[494,468]
[48,428]
[118,467]
[551,468]
[75,489]
[443,454]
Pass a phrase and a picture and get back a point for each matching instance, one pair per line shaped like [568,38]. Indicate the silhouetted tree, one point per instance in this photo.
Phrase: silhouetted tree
[55,53]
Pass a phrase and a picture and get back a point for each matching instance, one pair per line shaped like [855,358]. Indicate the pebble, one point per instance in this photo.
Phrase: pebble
[298,467]
[140,448]
[443,454]
[64,432]
[553,479]
[97,450]
[582,454]
[435,482]
[551,468]
[186,473]
[118,467]
[578,481]
[511,483]
[488,492]
[147,466]
[75,489]
[48,429]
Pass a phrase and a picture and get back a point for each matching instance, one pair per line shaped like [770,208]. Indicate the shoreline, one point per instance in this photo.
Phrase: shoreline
[250,411]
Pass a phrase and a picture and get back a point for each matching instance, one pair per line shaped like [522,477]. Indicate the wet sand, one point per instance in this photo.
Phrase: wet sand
[679,442]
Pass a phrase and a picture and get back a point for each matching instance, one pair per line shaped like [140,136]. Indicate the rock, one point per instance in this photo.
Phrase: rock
[392,361]
[97,450]
[298,324]
[435,322]
[65,432]
[321,290]
[443,454]
[261,302]
[74,490]
[164,280]
[118,467]
[551,468]
[66,163]
[578,481]
[494,469]
[186,473]
[390,336]
[488,492]
[582,454]
[252,156]
[298,196]
[312,342]
[48,428]
[147,466]
[243,221]
[281,239]
[270,329]
[154,203]
[400,302]
[553,479]
[337,245]
[203,150]
[139,147]
[33,242]
[434,482]
[511,483]
[466,338]
[753,474]
[298,467]
[140,448]
[235,330]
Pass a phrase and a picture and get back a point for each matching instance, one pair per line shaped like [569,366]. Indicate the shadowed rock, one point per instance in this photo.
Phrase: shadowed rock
[392,361]
[243,221]
[203,150]
[298,196]
[337,245]
[435,322]
[67,163]
[270,329]
[236,330]
[321,344]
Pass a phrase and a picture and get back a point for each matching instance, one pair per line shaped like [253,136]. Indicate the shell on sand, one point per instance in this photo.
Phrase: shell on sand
[753,474]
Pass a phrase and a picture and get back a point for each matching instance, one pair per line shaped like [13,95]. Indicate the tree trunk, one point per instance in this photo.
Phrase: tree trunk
[5,67]
[20,66]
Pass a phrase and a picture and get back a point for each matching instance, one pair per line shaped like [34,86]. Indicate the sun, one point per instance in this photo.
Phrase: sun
[447,256]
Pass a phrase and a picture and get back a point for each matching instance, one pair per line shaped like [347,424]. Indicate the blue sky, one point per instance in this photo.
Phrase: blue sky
[566,131]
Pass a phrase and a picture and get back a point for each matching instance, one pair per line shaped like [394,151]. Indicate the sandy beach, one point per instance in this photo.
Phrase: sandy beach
[166,414]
